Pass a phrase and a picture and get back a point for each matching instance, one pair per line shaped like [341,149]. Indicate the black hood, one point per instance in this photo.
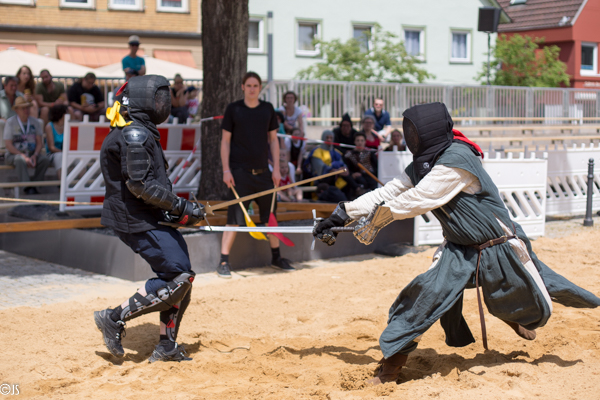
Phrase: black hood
[427,132]
[140,98]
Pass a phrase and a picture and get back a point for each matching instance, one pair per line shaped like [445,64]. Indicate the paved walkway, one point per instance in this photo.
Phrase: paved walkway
[31,282]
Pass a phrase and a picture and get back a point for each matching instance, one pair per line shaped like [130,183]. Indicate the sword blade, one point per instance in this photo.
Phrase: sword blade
[209,209]
[262,229]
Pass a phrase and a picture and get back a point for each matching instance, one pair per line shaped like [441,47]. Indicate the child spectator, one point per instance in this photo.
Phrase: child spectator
[280,119]
[366,158]
[291,194]
[54,135]
[192,100]
[296,148]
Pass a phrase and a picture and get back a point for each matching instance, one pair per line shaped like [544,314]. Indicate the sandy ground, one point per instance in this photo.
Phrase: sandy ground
[312,334]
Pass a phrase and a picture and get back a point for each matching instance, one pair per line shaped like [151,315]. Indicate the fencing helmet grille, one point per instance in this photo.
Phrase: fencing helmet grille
[149,94]
[428,132]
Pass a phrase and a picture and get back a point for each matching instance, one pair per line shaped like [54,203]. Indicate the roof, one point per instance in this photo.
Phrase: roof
[540,14]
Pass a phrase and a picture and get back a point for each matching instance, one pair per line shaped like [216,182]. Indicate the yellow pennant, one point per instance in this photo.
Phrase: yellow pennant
[115,117]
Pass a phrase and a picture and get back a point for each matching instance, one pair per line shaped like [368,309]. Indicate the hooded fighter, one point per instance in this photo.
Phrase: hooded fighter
[482,246]
[138,197]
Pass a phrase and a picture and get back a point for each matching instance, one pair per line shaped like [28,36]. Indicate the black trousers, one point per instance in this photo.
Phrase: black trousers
[164,249]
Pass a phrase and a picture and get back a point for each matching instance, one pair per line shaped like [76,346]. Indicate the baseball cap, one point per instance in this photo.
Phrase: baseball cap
[134,39]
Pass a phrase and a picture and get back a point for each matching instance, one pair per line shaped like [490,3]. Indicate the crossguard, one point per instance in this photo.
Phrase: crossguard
[336,229]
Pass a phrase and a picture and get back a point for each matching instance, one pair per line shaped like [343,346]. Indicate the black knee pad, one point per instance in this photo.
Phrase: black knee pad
[167,297]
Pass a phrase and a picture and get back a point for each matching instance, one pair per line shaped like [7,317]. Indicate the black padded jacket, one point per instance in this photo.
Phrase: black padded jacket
[122,210]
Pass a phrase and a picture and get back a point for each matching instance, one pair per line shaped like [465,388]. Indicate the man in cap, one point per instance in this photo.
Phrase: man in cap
[132,62]
[23,138]
[138,197]
[482,246]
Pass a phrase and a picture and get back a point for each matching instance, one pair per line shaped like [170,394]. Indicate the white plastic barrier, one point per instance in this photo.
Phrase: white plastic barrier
[567,179]
[81,177]
[520,181]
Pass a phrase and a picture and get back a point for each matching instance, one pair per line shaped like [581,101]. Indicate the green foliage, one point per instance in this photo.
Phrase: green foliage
[386,60]
[519,61]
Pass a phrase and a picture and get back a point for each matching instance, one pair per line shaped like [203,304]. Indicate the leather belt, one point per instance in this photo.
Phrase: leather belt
[480,248]
[258,171]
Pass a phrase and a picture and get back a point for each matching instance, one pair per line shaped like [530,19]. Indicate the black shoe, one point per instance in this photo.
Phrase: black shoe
[177,354]
[282,264]
[31,190]
[224,270]
[112,331]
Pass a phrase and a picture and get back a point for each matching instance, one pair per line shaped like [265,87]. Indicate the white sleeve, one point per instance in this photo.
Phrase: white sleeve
[365,203]
[437,188]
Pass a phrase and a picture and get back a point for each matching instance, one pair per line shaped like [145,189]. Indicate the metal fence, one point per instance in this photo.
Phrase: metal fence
[328,101]
[325,102]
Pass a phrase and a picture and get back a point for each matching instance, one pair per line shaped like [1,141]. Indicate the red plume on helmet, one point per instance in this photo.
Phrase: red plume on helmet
[121,89]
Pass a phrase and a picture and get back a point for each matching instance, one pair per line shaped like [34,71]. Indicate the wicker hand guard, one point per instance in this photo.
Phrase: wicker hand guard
[367,228]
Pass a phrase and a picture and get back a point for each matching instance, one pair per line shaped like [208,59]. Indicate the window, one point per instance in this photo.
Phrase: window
[19,2]
[178,6]
[362,33]
[589,59]
[78,3]
[125,5]
[256,35]
[414,42]
[307,32]
[461,47]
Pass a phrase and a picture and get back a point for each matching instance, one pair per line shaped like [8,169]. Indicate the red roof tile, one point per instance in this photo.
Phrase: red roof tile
[538,14]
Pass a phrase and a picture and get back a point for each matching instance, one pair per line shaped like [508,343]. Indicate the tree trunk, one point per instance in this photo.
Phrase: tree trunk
[224,58]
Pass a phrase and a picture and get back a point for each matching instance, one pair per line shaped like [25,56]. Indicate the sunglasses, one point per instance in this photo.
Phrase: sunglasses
[134,44]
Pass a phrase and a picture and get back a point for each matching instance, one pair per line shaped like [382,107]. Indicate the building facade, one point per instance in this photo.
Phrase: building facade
[572,25]
[95,32]
[442,34]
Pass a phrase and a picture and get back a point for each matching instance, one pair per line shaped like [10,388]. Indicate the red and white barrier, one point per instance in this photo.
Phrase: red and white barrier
[81,177]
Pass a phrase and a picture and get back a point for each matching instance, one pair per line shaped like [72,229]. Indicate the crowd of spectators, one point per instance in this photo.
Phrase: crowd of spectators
[345,147]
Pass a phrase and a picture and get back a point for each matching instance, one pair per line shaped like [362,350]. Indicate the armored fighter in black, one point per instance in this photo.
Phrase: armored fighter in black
[138,196]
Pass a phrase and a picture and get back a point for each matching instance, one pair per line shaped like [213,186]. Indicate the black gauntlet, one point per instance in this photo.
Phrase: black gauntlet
[322,230]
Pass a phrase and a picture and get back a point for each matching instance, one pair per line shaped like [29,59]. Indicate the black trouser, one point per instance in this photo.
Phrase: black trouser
[247,183]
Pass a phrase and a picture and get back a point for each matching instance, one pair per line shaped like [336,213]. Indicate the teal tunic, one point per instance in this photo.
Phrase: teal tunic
[509,291]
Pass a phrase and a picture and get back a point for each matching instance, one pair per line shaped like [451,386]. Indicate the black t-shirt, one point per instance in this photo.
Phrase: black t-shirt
[249,129]
[92,96]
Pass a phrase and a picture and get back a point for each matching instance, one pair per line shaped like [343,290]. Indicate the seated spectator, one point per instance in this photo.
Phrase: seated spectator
[86,98]
[296,148]
[396,141]
[366,158]
[292,114]
[383,123]
[291,194]
[373,139]
[54,135]
[192,102]
[49,93]
[26,85]
[131,62]
[179,108]
[344,133]
[325,159]
[7,100]
[23,141]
